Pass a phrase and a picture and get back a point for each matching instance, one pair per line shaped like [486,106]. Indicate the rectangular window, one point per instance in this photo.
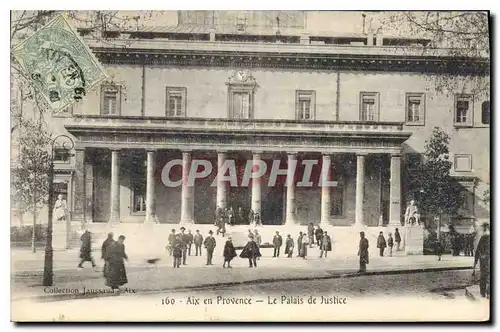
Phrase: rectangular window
[463,115]
[64,113]
[240,104]
[305,104]
[337,208]
[176,102]
[139,198]
[110,100]
[415,108]
[463,163]
[369,106]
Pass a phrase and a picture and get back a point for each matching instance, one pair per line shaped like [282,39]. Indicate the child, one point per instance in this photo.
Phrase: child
[390,244]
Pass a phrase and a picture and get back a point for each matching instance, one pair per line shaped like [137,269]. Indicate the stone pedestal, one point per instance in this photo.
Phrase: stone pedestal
[414,240]
[61,235]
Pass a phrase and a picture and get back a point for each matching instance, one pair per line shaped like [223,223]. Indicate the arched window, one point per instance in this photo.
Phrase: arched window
[485,112]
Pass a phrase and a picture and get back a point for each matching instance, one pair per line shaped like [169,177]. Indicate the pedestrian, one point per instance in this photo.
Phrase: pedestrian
[177,248]
[257,219]
[251,251]
[438,248]
[289,246]
[190,239]
[258,240]
[116,274]
[277,243]
[218,215]
[299,243]
[229,253]
[310,233]
[210,244]
[104,251]
[304,244]
[185,240]
[390,244]
[319,235]
[250,233]
[397,238]
[251,217]
[363,252]
[86,249]
[221,226]
[482,255]
[325,244]
[381,244]
[198,241]
[171,240]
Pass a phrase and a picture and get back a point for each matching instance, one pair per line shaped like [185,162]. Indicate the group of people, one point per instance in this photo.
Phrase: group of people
[382,243]
[113,254]
[227,216]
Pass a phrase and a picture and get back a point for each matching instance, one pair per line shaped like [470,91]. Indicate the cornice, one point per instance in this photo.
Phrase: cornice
[351,62]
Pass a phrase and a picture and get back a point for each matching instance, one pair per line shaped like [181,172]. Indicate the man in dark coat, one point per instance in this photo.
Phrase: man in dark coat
[250,217]
[86,249]
[185,240]
[231,216]
[190,239]
[397,238]
[116,274]
[177,249]
[219,213]
[390,244]
[251,251]
[363,252]
[229,253]
[221,224]
[299,243]
[319,235]
[257,219]
[277,243]
[381,244]
[325,244]
[171,240]
[482,255]
[198,241]
[289,246]
[104,251]
[310,234]
[209,244]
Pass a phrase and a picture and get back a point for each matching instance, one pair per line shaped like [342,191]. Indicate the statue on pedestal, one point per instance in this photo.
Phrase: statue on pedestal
[412,215]
[60,209]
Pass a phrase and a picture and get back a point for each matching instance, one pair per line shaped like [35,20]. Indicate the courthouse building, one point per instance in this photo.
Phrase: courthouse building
[219,86]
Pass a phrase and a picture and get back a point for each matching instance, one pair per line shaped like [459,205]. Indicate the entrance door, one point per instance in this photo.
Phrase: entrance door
[272,207]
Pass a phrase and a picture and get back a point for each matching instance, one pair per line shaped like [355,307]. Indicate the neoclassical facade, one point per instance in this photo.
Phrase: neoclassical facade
[356,104]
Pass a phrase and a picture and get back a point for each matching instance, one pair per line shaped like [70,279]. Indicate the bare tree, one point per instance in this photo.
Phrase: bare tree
[464,35]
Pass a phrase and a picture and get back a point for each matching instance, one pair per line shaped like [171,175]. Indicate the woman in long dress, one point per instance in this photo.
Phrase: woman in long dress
[116,274]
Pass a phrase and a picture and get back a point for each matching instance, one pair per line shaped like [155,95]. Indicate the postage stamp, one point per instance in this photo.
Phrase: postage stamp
[257,166]
[58,63]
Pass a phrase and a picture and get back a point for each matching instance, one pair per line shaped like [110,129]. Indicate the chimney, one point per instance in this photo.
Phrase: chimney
[304,39]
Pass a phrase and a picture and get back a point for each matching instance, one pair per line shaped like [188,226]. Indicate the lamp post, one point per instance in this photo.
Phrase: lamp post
[66,143]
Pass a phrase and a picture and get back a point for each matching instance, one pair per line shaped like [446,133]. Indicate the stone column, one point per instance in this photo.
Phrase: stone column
[114,216]
[290,190]
[79,181]
[187,196]
[221,186]
[256,185]
[326,202]
[360,190]
[150,188]
[395,191]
